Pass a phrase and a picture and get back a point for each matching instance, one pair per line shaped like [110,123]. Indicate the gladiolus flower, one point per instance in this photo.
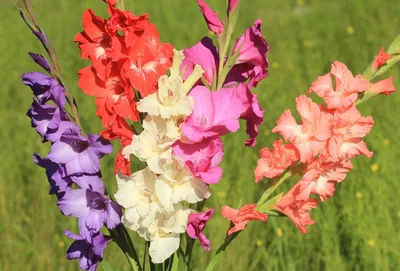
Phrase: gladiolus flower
[380,59]
[385,87]
[297,210]
[347,87]
[196,225]
[252,60]
[274,162]
[321,179]
[213,21]
[311,136]
[241,217]
[232,6]
[202,158]
[214,114]
[348,132]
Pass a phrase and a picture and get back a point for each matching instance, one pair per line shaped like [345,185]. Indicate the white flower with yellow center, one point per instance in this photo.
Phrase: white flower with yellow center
[171,98]
[153,144]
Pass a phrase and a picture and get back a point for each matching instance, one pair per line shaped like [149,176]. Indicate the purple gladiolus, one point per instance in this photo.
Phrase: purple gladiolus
[59,181]
[90,205]
[41,61]
[45,88]
[89,253]
[79,154]
[45,118]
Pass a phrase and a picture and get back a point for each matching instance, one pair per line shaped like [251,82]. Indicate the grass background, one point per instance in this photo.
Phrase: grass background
[358,229]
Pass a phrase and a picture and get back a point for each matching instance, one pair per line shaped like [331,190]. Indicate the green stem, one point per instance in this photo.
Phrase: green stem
[273,187]
[217,256]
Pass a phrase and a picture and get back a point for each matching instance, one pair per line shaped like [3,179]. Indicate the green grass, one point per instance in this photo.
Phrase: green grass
[351,232]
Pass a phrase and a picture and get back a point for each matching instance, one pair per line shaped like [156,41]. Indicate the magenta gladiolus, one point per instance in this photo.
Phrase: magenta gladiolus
[196,225]
[214,23]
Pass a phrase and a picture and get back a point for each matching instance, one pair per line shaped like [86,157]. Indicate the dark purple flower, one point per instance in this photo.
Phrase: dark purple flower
[79,154]
[59,181]
[45,118]
[196,225]
[45,88]
[41,61]
[89,253]
[90,205]
[252,62]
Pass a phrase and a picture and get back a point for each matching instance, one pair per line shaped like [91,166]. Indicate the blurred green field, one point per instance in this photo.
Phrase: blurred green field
[358,229]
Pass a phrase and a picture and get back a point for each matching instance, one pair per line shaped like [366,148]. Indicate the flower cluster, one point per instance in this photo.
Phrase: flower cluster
[183,121]
[321,147]
[126,54]
[73,161]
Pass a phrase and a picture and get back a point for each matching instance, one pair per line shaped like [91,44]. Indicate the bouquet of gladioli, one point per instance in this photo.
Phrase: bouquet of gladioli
[169,109]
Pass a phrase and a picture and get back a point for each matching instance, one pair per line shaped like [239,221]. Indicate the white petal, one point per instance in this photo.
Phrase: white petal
[162,248]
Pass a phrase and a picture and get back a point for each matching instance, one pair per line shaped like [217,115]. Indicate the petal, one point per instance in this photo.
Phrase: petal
[161,248]
[74,203]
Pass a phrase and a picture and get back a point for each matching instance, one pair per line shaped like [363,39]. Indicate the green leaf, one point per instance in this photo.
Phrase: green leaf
[271,203]
[106,265]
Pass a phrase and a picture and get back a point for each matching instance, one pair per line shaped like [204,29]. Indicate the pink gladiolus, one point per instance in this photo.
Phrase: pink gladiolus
[232,6]
[213,22]
[348,132]
[385,87]
[311,136]
[202,158]
[214,114]
[251,112]
[380,59]
[252,61]
[297,210]
[204,54]
[274,162]
[321,179]
[196,225]
[241,217]
[346,90]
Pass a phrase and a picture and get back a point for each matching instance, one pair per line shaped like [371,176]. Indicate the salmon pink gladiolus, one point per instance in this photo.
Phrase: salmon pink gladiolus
[310,137]
[380,59]
[241,217]
[297,209]
[274,162]
[346,90]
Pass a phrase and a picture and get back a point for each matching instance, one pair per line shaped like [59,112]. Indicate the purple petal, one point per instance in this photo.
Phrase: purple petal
[95,219]
[57,129]
[41,61]
[99,145]
[100,243]
[92,182]
[114,214]
[59,182]
[73,235]
[88,162]
[74,203]
[77,249]
[62,152]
